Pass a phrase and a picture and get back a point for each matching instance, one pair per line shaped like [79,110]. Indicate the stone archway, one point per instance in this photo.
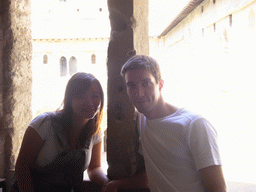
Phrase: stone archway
[127,38]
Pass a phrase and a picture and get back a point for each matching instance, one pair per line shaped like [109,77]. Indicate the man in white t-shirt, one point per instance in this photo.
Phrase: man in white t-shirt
[179,148]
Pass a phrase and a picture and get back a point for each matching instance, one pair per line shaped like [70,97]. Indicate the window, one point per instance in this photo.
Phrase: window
[45,59]
[72,65]
[63,66]
[230,20]
[93,59]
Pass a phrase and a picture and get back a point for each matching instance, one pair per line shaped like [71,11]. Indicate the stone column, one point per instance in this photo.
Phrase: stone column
[129,36]
[1,99]
[16,79]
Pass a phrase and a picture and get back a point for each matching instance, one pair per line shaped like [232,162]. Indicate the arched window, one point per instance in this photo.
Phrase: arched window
[63,66]
[93,58]
[72,65]
[45,59]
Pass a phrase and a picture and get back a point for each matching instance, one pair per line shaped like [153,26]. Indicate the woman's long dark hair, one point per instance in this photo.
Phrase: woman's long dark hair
[78,84]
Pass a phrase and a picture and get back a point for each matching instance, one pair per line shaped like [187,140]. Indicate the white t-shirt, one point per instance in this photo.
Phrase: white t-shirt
[175,148]
[51,147]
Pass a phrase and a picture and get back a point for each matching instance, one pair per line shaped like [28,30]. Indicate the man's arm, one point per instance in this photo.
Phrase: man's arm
[213,179]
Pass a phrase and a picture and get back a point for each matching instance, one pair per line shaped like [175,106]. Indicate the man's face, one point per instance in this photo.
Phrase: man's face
[143,90]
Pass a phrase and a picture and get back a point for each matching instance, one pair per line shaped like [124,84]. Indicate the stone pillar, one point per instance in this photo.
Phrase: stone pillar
[129,36]
[1,100]
[16,80]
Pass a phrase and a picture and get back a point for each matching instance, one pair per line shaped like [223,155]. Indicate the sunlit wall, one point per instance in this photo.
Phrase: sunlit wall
[208,65]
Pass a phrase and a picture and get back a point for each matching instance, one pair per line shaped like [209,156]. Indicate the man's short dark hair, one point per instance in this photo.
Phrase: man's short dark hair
[142,62]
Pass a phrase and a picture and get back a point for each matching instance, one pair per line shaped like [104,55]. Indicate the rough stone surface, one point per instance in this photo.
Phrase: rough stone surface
[2,133]
[140,27]
[121,132]
[16,79]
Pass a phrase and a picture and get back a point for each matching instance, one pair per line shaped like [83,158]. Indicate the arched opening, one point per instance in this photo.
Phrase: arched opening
[45,59]
[72,65]
[63,66]
[93,59]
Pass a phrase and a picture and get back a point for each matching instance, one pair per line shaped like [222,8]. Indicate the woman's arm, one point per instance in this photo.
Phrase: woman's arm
[95,172]
[137,181]
[30,147]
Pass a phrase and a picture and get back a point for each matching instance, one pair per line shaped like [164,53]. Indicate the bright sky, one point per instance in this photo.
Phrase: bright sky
[79,18]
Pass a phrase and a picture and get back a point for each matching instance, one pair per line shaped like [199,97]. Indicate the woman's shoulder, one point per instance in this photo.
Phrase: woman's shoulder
[40,118]
[46,116]
[42,124]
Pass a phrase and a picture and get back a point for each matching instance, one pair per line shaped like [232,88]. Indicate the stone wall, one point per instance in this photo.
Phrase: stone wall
[15,78]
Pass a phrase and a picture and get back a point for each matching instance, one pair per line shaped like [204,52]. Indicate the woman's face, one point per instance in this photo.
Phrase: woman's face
[87,105]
